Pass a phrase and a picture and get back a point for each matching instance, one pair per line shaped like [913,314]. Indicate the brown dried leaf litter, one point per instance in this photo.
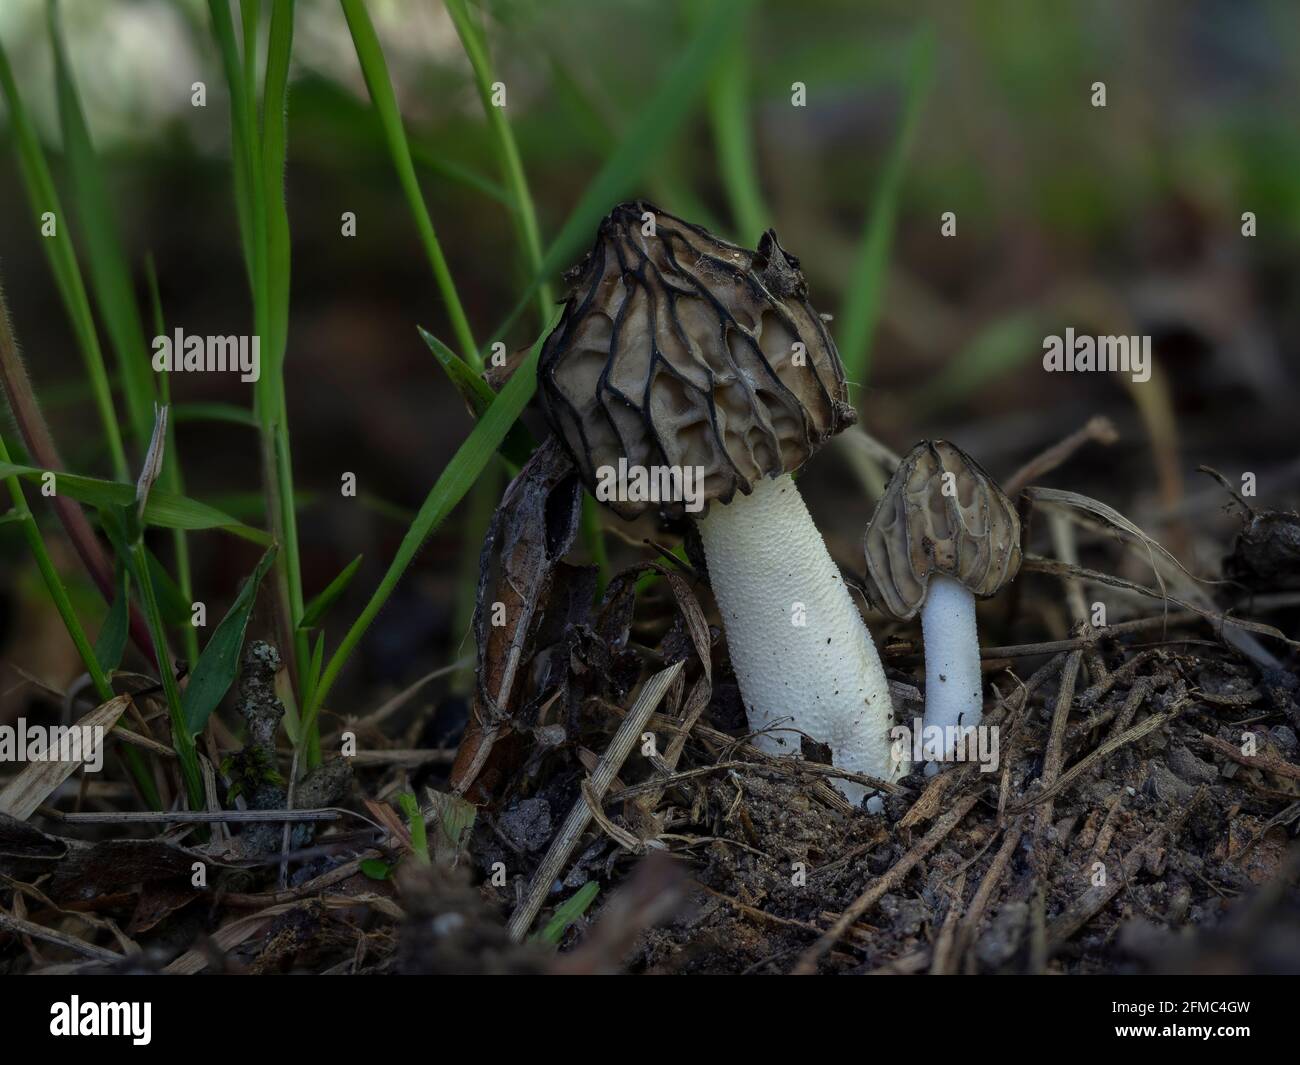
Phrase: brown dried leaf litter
[1121,754]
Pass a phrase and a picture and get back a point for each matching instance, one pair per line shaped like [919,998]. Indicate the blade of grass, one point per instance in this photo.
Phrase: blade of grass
[164,510]
[728,113]
[40,446]
[172,478]
[110,644]
[865,290]
[456,479]
[99,674]
[53,583]
[485,494]
[645,139]
[110,276]
[242,137]
[512,169]
[44,200]
[218,665]
[374,69]
[126,534]
[415,823]
[477,393]
[264,227]
[274,153]
[597,128]
[567,913]
[321,603]
[182,741]
[997,348]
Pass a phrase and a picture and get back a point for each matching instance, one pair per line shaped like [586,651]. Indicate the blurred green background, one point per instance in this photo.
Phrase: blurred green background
[1122,219]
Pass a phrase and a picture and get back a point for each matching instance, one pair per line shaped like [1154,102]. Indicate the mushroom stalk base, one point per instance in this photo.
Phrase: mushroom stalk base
[953,682]
[802,655]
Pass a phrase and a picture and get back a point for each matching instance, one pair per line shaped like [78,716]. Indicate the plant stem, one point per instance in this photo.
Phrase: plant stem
[182,740]
[172,478]
[44,199]
[63,604]
[40,448]
[374,69]
[512,170]
[730,121]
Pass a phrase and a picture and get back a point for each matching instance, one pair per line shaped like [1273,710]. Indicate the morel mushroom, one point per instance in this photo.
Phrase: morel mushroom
[943,534]
[694,375]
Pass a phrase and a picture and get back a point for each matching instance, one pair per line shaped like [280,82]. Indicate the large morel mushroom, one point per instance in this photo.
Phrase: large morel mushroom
[678,351]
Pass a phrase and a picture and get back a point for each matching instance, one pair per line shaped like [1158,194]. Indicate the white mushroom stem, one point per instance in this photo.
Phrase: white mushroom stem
[953,683]
[802,655]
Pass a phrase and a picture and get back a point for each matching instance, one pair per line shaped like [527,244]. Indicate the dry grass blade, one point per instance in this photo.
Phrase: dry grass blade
[201,817]
[39,780]
[1255,761]
[1144,728]
[580,815]
[1099,430]
[1113,517]
[984,893]
[22,927]
[1038,564]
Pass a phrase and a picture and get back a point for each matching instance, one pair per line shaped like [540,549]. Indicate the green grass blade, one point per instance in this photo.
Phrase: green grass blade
[274,143]
[512,169]
[126,534]
[317,662]
[172,479]
[176,606]
[259,154]
[865,289]
[567,914]
[456,479]
[415,822]
[63,604]
[374,68]
[44,199]
[729,116]
[997,348]
[519,443]
[53,583]
[321,603]
[242,137]
[218,665]
[110,644]
[645,139]
[274,150]
[110,275]
[164,509]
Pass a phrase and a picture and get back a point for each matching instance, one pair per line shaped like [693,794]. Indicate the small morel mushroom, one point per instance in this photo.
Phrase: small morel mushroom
[943,533]
[692,376]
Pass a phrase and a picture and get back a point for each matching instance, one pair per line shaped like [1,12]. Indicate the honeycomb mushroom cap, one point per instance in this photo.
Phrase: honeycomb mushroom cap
[678,349]
[971,535]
